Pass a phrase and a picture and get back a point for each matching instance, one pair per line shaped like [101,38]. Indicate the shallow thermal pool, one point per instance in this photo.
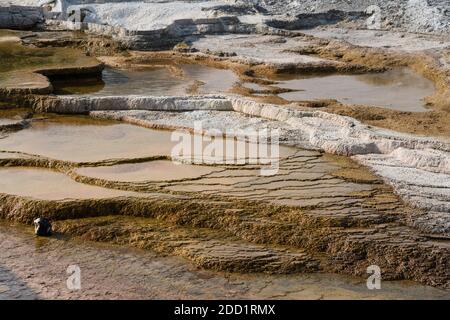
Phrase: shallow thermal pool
[147,171]
[398,89]
[49,185]
[83,139]
[155,80]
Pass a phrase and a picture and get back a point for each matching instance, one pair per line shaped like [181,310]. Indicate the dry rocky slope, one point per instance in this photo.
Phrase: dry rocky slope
[157,24]
[407,15]
[234,220]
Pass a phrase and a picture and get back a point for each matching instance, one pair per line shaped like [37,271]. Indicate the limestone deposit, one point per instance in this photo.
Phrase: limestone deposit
[231,218]
[354,184]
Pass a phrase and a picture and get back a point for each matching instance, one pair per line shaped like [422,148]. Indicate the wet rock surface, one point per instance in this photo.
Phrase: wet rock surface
[327,212]
[205,248]
[311,130]
[14,120]
[33,268]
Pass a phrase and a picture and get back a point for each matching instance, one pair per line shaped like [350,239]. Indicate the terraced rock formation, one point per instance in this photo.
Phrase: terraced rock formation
[326,213]
[117,273]
[25,70]
[346,193]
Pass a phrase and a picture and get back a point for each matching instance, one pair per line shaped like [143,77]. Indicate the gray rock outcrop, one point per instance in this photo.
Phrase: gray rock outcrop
[20,17]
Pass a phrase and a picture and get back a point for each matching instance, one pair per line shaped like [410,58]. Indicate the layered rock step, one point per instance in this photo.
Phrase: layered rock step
[205,248]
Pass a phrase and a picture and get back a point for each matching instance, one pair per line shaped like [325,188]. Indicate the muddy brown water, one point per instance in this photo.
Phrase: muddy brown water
[36,268]
[17,56]
[398,89]
[163,80]
[49,185]
[83,139]
[86,140]
[148,171]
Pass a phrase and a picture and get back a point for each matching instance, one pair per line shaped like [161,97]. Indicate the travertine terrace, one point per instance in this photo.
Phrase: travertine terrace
[357,184]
